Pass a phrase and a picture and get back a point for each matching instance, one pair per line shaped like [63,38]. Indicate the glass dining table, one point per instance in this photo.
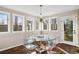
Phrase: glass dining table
[41,46]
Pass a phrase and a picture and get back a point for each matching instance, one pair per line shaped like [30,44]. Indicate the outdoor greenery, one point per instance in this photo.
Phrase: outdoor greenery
[68,30]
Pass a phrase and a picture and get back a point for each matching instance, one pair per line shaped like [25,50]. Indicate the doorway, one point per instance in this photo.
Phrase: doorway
[68,30]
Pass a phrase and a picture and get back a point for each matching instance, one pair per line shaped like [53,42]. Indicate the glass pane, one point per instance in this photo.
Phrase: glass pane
[18,23]
[37,25]
[54,24]
[29,25]
[68,30]
[45,24]
[3,22]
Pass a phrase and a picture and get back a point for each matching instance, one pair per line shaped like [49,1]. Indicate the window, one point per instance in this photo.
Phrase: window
[36,25]
[17,23]
[53,24]
[29,24]
[68,30]
[45,24]
[3,22]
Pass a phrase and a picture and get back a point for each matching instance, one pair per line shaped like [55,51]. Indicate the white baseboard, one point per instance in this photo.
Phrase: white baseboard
[10,47]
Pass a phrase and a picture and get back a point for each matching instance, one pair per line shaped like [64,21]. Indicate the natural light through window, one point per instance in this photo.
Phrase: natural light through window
[18,23]
[54,24]
[3,22]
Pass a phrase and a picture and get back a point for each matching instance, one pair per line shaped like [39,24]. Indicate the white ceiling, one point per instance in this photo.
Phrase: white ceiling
[46,9]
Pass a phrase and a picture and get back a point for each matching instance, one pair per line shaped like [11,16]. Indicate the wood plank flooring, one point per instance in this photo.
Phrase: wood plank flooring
[23,50]
[17,50]
[66,47]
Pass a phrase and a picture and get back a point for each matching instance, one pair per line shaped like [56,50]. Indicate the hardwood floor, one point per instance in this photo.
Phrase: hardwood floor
[17,50]
[70,49]
[63,48]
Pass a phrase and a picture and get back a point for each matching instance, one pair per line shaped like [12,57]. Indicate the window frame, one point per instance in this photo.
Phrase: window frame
[27,18]
[38,21]
[47,25]
[8,20]
[23,24]
[50,23]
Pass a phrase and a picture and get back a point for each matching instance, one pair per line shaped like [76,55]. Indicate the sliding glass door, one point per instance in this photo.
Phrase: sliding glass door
[68,30]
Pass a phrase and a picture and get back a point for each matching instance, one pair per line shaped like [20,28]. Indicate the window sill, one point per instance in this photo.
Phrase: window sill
[5,32]
[18,31]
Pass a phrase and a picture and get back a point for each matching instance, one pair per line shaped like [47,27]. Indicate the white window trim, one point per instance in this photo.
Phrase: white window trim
[29,17]
[8,22]
[47,25]
[71,17]
[50,24]
[23,25]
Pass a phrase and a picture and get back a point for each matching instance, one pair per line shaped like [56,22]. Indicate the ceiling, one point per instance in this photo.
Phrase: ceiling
[46,9]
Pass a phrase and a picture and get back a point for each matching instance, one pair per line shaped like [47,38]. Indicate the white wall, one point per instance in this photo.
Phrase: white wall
[10,40]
